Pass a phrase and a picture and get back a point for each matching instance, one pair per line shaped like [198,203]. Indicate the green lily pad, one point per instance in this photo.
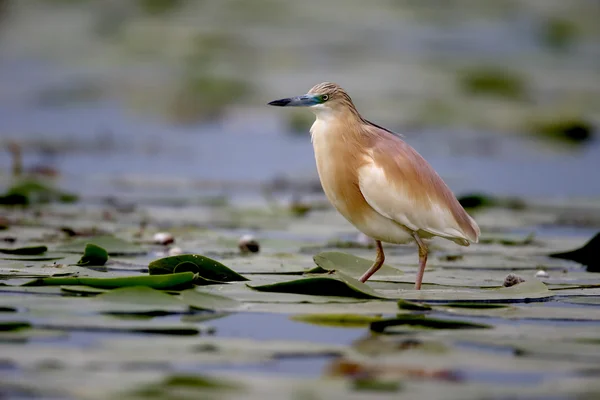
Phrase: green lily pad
[587,300]
[142,300]
[333,284]
[209,301]
[110,324]
[528,291]
[26,335]
[178,383]
[350,265]
[79,289]
[209,269]
[186,266]
[337,320]
[365,307]
[114,246]
[172,281]
[474,305]
[17,270]
[25,251]
[423,322]
[93,255]
[46,256]
[409,305]
[532,312]
[7,326]
[242,292]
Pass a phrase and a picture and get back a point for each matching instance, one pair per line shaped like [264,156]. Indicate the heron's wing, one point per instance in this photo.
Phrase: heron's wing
[400,185]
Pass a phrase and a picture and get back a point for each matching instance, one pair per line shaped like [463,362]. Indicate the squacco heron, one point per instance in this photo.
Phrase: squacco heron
[378,182]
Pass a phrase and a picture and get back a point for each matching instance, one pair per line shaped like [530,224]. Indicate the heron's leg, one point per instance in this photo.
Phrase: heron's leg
[377,264]
[422,260]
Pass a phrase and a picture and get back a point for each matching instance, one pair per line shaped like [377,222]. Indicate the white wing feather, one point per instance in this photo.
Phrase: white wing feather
[394,201]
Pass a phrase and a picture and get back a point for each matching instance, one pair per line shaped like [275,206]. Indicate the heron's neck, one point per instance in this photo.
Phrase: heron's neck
[334,122]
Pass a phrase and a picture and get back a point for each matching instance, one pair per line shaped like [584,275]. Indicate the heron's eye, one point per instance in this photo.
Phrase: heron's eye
[325,97]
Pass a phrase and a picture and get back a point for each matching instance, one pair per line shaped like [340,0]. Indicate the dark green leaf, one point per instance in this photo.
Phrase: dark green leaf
[420,321]
[409,305]
[172,281]
[25,251]
[334,284]
[186,266]
[473,305]
[6,326]
[208,268]
[337,320]
[93,256]
[348,264]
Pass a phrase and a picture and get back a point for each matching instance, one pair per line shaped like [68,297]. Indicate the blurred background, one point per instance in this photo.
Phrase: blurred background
[168,97]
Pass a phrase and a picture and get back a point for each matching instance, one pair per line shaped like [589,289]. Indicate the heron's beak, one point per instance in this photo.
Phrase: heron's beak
[306,100]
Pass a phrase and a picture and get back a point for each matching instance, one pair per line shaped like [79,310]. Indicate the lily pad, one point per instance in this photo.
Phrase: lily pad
[350,265]
[93,255]
[587,255]
[207,267]
[46,256]
[333,284]
[528,291]
[209,301]
[172,281]
[25,251]
[80,290]
[114,246]
[142,300]
[110,324]
[242,292]
[529,312]
[337,320]
[7,326]
[423,322]
[186,266]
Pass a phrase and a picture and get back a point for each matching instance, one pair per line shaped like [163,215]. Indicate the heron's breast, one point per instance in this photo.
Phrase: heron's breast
[337,165]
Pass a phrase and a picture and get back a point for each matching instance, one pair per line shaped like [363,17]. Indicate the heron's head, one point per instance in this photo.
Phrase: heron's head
[325,96]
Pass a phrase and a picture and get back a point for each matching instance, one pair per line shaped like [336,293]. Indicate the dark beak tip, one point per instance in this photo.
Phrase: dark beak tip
[279,103]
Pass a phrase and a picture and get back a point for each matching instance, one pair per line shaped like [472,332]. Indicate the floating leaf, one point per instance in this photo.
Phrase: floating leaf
[81,290]
[588,254]
[172,281]
[7,326]
[365,307]
[334,284]
[110,324]
[409,305]
[337,320]
[93,256]
[46,256]
[349,265]
[142,300]
[25,251]
[423,322]
[242,292]
[530,312]
[26,335]
[208,268]
[474,305]
[186,266]
[587,300]
[209,301]
[114,246]
[178,383]
[529,291]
